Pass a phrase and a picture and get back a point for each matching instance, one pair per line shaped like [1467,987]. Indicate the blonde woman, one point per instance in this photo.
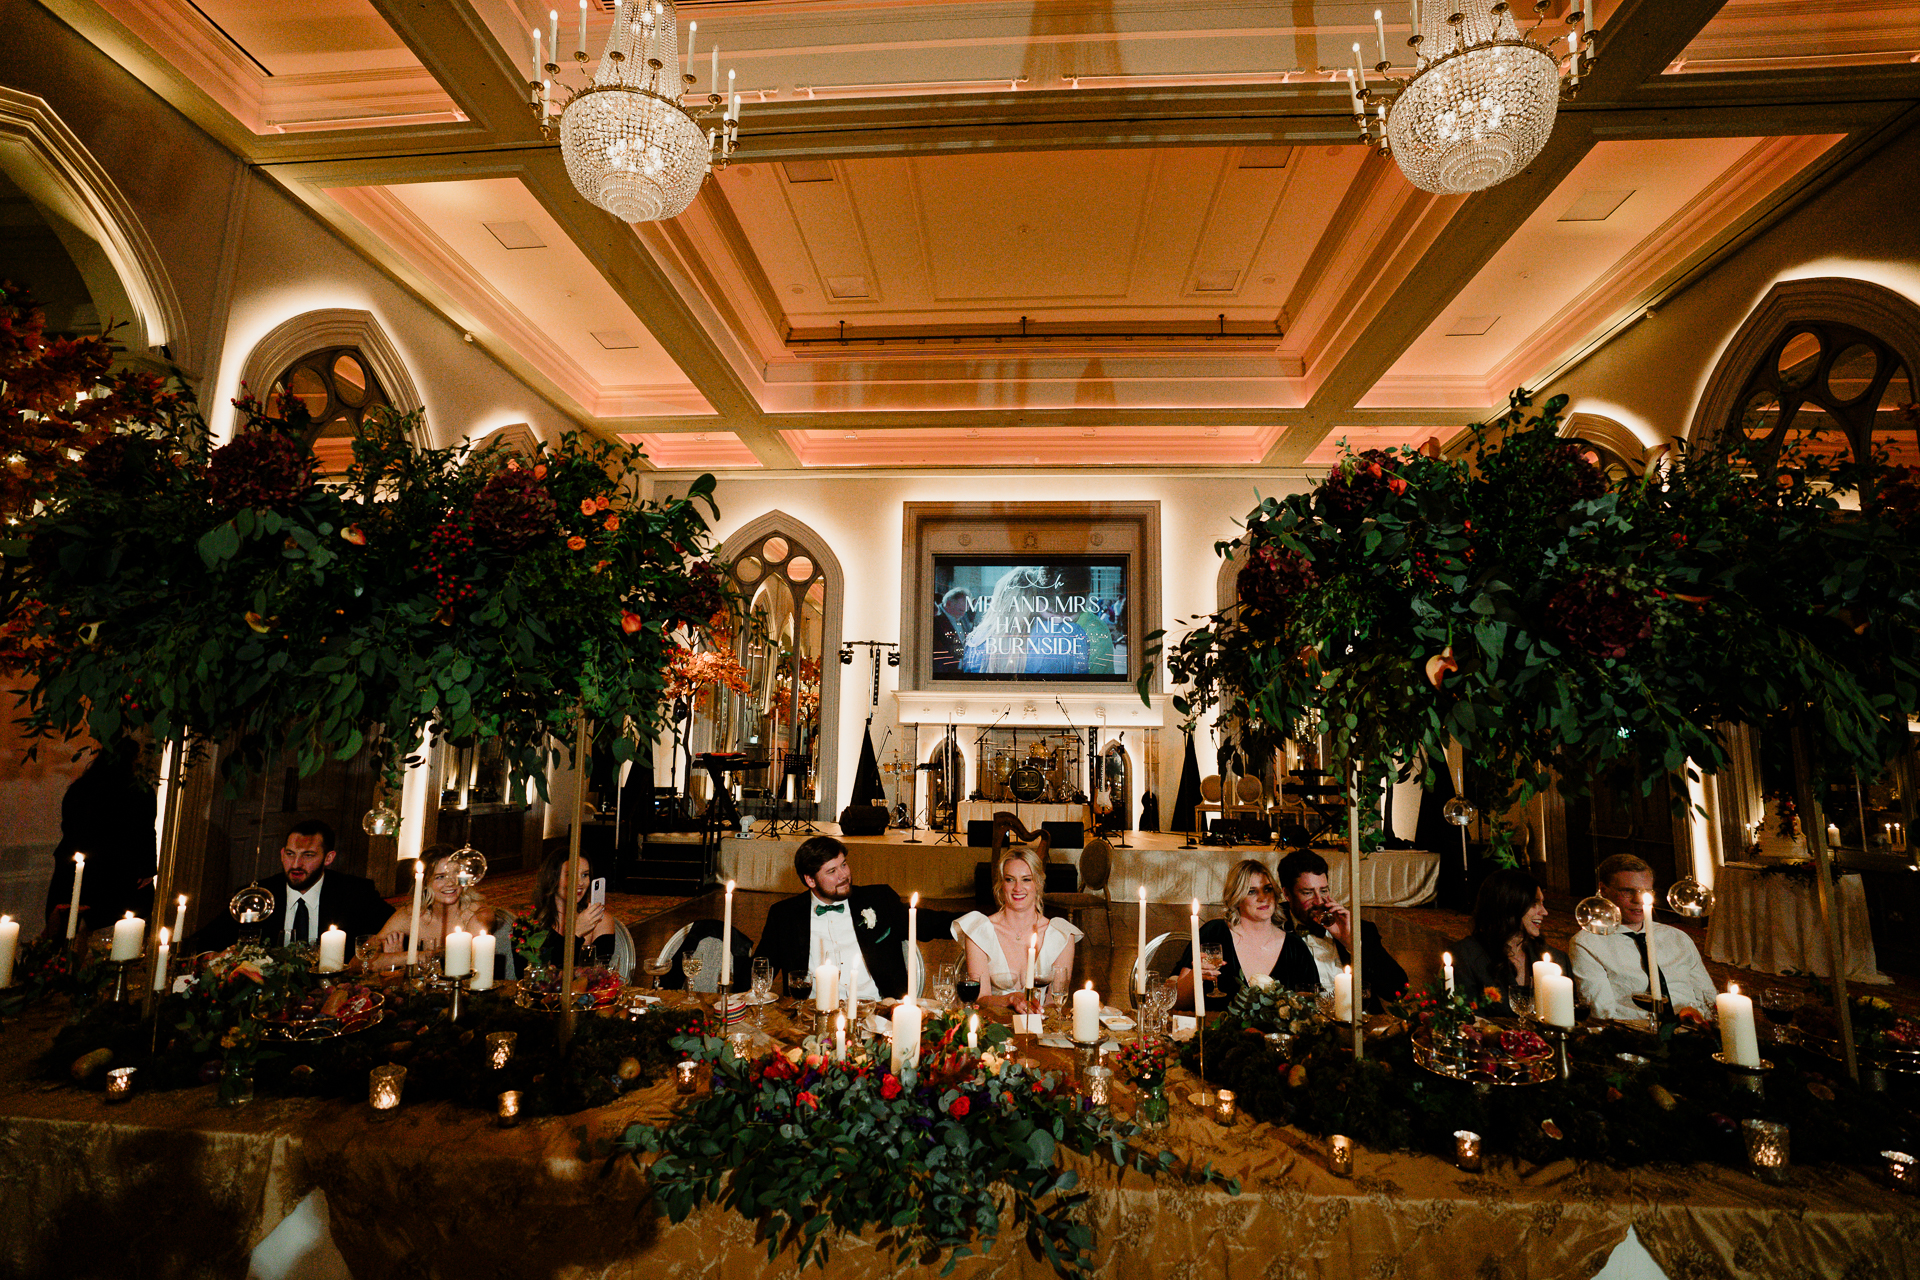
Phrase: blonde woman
[1249,941]
[997,944]
[443,908]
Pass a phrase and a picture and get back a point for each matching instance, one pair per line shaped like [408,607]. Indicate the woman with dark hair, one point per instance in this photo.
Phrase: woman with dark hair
[599,934]
[1507,919]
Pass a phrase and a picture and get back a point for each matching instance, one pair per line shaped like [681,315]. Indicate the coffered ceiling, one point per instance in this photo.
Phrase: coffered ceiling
[1050,233]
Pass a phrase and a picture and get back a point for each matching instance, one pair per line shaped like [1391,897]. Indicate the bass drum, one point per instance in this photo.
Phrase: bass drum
[1027,784]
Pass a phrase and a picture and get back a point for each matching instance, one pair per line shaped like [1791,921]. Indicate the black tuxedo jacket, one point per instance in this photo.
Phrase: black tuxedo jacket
[346,900]
[1380,973]
[789,931]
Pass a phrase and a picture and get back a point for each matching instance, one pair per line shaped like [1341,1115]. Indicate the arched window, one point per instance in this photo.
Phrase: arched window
[1835,389]
[337,388]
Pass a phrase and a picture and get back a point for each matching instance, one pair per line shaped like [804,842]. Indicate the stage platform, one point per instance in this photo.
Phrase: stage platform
[1158,860]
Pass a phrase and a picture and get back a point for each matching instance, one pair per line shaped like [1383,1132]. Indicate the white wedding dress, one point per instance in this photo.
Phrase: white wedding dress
[978,929]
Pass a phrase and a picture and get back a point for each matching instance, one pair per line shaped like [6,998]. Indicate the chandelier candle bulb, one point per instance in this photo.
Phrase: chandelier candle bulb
[1739,1041]
[582,46]
[1380,29]
[693,29]
[1140,969]
[713,80]
[1086,1015]
[73,911]
[333,949]
[129,935]
[538,68]
[726,940]
[1446,967]
[485,948]
[553,53]
[1200,987]
[9,946]
[1343,995]
[458,959]
[413,921]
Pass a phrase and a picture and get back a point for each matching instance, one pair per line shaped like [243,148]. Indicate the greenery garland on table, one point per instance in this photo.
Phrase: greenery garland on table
[166,587]
[1550,616]
[1681,1106]
[809,1148]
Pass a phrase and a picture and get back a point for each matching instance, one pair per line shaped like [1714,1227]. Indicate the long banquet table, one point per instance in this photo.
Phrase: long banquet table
[170,1185]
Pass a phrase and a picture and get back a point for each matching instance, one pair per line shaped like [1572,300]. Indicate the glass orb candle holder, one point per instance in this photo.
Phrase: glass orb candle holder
[1690,898]
[381,820]
[251,905]
[1340,1155]
[1466,1150]
[470,863]
[384,1084]
[1597,915]
[1768,1149]
[1458,811]
[500,1048]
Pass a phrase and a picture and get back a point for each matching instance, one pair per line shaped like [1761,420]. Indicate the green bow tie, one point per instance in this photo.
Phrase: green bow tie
[838,906]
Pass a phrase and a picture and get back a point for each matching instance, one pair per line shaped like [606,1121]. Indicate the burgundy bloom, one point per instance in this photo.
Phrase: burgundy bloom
[1358,483]
[1599,616]
[1273,576]
[890,1086]
[265,469]
[513,509]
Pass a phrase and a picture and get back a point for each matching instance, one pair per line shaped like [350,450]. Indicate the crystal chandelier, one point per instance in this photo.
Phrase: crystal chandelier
[1480,103]
[632,144]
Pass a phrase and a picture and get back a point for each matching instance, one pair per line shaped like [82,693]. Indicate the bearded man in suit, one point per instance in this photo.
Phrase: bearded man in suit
[859,927]
[308,897]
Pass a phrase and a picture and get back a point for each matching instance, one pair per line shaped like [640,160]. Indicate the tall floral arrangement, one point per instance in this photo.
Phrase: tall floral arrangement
[1548,615]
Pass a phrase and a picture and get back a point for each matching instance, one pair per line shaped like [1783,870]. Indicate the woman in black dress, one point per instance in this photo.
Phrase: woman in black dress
[1499,953]
[1249,941]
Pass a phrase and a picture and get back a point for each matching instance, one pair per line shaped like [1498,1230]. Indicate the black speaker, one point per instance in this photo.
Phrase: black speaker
[863,820]
[1066,835]
[979,833]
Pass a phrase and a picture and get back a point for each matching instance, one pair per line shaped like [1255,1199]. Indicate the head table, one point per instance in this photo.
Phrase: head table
[169,1184]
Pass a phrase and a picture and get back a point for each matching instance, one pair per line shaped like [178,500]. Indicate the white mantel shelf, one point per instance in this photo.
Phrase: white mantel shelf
[1120,709]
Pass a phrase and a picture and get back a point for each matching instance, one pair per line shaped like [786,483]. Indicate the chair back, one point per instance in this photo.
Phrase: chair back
[503,945]
[916,971]
[702,939]
[1161,953]
[1250,789]
[671,951]
[1096,865]
[1210,788]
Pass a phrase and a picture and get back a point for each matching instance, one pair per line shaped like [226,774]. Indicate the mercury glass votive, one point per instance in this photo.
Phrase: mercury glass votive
[383,1086]
[120,1083]
[1224,1107]
[500,1048]
[1340,1155]
[508,1112]
[683,1076]
[1901,1172]
[1097,1084]
[1768,1149]
[1466,1150]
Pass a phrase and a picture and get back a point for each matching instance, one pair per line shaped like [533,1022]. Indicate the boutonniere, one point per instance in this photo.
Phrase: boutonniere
[868,918]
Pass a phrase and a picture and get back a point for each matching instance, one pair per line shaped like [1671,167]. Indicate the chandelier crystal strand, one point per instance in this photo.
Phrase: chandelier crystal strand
[629,146]
[1478,107]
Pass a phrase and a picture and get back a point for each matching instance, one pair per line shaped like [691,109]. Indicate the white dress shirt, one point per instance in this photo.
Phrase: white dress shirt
[833,934]
[311,896]
[1607,970]
[1326,958]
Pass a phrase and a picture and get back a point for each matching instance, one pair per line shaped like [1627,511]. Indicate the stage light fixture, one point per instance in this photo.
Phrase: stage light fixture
[846,655]
[893,657]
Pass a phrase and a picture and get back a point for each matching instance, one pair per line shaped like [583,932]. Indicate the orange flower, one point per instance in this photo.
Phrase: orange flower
[809,1100]
[630,622]
[586,507]
[600,566]
[1492,994]
[355,534]
[612,522]
[602,502]
[540,471]
[576,543]
[1439,664]
[258,623]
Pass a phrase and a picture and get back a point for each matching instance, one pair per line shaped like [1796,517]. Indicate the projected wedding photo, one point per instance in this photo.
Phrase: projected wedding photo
[1052,618]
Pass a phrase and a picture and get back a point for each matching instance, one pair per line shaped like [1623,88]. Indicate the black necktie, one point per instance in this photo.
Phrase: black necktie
[300,919]
[1640,941]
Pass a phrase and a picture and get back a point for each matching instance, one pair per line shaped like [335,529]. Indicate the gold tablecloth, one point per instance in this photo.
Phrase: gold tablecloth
[170,1185]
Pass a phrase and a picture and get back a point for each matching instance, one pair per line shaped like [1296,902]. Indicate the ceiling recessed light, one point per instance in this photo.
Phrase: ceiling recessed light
[1470,326]
[614,339]
[848,287]
[515,235]
[1595,206]
[853,435]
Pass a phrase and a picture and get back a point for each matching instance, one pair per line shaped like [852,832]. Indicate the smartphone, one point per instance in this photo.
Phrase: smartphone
[597,891]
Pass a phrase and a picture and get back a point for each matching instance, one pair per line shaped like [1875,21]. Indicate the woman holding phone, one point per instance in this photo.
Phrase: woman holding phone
[602,939]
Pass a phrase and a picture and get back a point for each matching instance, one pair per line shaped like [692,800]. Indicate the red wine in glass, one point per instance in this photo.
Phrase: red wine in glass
[968,990]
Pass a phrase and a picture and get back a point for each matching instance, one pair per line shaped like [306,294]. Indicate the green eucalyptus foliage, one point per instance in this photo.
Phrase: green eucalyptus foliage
[1552,617]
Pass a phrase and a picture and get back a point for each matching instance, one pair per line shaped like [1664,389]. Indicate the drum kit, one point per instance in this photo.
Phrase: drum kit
[1042,770]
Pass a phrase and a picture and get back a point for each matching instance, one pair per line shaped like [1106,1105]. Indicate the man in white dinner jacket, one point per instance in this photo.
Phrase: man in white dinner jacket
[1609,970]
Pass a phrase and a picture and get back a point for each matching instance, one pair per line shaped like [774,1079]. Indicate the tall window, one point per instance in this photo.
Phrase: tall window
[1834,388]
[337,388]
[780,646]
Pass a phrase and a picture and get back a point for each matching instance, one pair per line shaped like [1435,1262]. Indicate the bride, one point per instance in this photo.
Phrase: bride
[997,945]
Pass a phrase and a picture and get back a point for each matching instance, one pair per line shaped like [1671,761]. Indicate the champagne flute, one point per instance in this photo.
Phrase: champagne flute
[1213,956]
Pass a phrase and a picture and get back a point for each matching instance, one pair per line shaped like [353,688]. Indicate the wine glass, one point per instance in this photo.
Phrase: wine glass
[945,980]
[800,986]
[1520,1000]
[690,967]
[1212,956]
[762,989]
[967,988]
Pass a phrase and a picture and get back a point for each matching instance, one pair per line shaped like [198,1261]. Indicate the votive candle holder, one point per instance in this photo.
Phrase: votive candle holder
[508,1111]
[500,1048]
[1225,1107]
[384,1084]
[1769,1150]
[120,1083]
[1902,1173]
[1097,1084]
[684,1078]
[1340,1155]
[1466,1150]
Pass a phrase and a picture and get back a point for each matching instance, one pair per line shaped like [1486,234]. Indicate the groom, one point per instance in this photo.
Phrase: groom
[862,928]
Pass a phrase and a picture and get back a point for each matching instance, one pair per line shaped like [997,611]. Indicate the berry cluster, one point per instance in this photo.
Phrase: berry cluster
[450,540]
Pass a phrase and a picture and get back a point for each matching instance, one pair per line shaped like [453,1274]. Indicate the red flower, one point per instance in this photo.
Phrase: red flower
[630,622]
[959,1108]
[612,522]
[889,1086]
[355,534]
[586,507]
[576,543]
[809,1100]
[602,502]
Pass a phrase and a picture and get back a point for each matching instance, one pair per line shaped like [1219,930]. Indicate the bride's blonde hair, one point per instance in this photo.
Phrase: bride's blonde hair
[1036,864]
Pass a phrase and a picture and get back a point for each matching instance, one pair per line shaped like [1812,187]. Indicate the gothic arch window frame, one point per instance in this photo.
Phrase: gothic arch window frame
[1837,310]
[832,619]
[323,369]
[293,339]
[48,161]
[1613,441]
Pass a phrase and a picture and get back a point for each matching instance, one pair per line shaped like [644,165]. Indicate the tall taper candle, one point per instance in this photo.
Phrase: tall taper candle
[1446,964]
[1199,983]
[9,944]
[726,940]
[1140,967]
[180,916]
[160,953]
[913,927]
[413,921]
[73,912]
[1653,961]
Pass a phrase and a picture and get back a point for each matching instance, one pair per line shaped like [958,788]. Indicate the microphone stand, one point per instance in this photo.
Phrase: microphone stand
[913,797]
[1075,731]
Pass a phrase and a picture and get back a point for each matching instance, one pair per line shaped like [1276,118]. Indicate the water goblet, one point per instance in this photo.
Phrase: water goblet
[690,967]
[1520,1000]
[762,989]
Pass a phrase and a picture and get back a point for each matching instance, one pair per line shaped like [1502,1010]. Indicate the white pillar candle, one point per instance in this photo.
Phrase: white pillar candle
[1140,967]
[458,960]
[1199,983]
[1739,1042]
[180,916]
[333,949]
[906,1036]
[413,922]
[1343,995]
[726,940]
[840,1037]
[1446,966]
[9,944]
[1086,1015]
[826,986]
[1543,968]
[973,1033]
[1653,961]
[161,952]
[73,911]
[485,948]
[1833,835]
[1553,998]
[129,935]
